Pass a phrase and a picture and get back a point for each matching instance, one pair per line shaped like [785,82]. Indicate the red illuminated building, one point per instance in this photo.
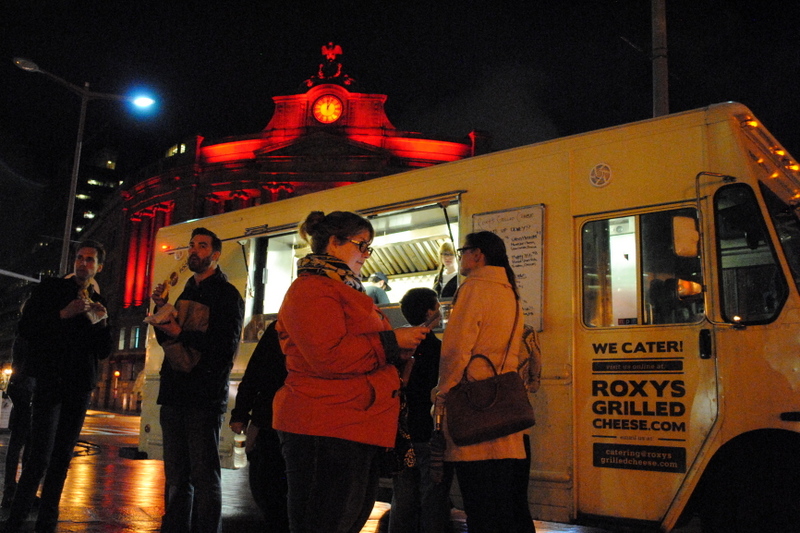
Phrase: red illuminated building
[326,135]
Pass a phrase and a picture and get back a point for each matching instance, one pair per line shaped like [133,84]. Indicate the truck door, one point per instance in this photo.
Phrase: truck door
[751,481]
[645,378]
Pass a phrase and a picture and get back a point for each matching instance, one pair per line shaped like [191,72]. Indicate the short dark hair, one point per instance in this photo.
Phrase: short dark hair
[88,243]
[416,303]
[216,243]
[318,228]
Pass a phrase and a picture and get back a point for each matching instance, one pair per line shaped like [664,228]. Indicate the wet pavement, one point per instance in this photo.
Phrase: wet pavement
[108,494]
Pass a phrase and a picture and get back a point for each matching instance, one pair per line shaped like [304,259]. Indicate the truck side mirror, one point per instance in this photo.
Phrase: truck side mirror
[685,237]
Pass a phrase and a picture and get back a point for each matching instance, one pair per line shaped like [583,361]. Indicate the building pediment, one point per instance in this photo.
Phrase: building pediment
[321,143]
[322,151]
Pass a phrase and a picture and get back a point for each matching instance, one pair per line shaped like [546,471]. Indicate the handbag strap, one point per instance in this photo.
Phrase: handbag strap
[511,336]
[505,356]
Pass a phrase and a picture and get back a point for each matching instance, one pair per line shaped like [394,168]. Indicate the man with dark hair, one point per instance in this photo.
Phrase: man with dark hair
[66,329]
[200,340]
[418,305]
[418,502]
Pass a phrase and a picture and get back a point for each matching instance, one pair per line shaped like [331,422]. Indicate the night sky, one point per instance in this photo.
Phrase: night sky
[524,71]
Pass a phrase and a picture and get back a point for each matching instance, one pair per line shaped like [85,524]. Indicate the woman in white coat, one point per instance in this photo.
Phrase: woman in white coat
[493,475]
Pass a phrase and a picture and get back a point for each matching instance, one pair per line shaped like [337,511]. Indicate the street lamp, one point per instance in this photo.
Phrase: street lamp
[86,95]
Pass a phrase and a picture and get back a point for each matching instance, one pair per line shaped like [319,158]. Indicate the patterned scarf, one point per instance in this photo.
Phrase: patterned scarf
[333,267]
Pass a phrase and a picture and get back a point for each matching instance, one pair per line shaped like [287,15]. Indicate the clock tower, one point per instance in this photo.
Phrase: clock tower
[331,101]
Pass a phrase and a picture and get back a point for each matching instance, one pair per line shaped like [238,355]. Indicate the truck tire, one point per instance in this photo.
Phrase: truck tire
[756,488]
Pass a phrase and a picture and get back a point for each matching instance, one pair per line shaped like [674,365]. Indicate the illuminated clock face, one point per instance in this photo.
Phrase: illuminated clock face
[327,109]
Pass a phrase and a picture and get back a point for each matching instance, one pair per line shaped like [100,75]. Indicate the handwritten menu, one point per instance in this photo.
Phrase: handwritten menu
[522,230]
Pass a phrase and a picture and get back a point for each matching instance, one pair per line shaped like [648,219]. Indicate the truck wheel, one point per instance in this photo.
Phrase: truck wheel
[758,490]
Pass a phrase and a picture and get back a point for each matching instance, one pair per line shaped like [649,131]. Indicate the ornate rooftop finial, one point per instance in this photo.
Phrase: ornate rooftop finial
[330,69]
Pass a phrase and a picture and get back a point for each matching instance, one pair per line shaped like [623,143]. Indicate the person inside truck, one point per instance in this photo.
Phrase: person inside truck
[376,287]
[446,280]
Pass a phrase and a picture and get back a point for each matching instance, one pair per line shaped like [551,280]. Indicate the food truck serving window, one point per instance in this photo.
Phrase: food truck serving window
[405,248]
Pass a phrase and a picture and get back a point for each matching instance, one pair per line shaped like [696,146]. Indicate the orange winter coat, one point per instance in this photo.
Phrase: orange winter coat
[339,383]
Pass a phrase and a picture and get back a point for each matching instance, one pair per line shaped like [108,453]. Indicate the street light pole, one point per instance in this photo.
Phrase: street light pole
[85,95]
[73,186]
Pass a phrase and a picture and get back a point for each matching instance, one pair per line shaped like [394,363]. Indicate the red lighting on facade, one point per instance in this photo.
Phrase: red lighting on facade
[328,136]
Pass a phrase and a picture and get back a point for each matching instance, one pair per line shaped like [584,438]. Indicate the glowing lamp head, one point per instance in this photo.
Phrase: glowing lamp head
[143,101]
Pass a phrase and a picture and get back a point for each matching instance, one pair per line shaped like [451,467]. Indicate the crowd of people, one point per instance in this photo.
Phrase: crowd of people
[331,395]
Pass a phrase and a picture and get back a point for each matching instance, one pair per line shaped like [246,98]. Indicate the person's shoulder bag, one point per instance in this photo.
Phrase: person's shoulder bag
[482,410]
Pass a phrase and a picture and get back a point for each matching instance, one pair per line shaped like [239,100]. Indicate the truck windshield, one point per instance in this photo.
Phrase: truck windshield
[785,219]
[753,287]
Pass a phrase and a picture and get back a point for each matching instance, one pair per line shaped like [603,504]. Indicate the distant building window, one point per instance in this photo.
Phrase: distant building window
[105,158]
[177,149]
[135,341]
[99,183]
[88,214]
[78,229]
[121,343]
[83,196]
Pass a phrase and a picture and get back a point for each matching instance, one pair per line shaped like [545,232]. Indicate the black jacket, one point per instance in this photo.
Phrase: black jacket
[265,374]
[206,385]
[62,354]
[424,377]
[449,290]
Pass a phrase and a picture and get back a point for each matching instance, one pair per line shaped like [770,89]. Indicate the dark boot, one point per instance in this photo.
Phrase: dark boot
[8,496]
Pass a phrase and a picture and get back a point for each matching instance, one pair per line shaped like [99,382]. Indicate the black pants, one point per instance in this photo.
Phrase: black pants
[332,482]
[495,495]
[267,474]
[19,424]
[55,428]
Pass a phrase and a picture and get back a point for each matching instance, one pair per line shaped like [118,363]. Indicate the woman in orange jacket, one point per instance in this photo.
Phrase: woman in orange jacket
[339,407]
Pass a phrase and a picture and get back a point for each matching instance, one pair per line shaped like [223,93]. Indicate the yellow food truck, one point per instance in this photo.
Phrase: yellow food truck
[659,263]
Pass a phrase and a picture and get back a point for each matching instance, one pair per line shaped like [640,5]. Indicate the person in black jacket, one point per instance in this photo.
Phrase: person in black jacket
[200,338]
[265,374]
[65,325]
[419,504]
[20,390]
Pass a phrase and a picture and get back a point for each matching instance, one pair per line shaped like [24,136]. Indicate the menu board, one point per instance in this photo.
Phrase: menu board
[522,229]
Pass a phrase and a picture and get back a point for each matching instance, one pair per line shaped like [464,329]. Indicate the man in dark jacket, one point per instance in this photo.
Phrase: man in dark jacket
[200,341]
[20,390]
[418,502]
[265,374]
[65,325]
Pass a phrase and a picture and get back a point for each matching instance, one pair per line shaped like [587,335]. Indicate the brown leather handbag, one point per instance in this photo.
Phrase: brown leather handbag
[482,410]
